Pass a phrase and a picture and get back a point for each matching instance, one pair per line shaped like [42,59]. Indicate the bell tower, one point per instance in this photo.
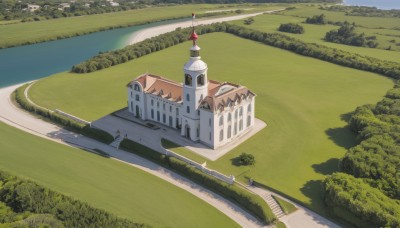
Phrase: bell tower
[195,89]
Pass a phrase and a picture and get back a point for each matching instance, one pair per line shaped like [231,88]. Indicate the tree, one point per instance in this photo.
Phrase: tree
[291,28]
[316,19]
[247,159]
[249,21]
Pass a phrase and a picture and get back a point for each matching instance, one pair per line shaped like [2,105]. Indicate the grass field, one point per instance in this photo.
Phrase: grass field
[104,183]
[304,101]
[21,33]
[316,33]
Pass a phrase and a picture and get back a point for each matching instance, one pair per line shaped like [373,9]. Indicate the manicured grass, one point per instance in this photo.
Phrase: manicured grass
[33,32]
[104,183]
[304,101]
[316,33]
[286,206]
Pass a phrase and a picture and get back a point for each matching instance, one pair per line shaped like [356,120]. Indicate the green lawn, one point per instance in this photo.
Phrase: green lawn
[104,183]
[316,33]
[304,101]
[21,33]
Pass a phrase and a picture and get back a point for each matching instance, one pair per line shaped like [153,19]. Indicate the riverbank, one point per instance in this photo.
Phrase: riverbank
[13,35]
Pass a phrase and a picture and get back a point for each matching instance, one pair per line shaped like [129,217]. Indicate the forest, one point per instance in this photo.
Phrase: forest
[370,189]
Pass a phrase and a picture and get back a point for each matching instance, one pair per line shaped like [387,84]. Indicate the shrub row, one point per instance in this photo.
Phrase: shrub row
[250,202]
[73,125]
[358,203]
[344,58]
[24,195]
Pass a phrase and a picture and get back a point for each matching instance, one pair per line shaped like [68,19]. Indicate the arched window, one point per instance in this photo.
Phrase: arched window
[229,117]
[200,80]
[221,120]
[229,131]
[164,118]
[170,108]
[137,97]
[240,125]
[241,111]
[235,129]
[236,114]
[152,102]
[187,97]
[221,135]
[158,104]
[249,108]
[188,80]
[137,88]
[158,116]
[187,109]
[248,121]
[152,114]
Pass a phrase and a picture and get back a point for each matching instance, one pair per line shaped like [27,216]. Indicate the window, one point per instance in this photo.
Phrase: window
[131,94]
[241,111]
[209,122]
[198,132]
[187,109]
[158,116]
[221,120]
[210,135]
[229,131]
[163,106]
[229,117]
[137,97]
[152,102]
[198,112]
[170,108]
[164,118]
[187,97]
[235,129]
[158,104]
[131,106]
[248,121]
[200,80]
[137,87]
[249,108]
[170,121]
[236,114]
[152,114]
[188,80]
[240,125]
[177,111]
[221,135]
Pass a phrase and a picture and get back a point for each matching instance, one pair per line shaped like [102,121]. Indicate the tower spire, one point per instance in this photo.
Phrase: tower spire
[193,35]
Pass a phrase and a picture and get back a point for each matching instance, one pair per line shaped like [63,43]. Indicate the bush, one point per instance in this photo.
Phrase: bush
[143,151]
[346,35]
[291,28]
[247,159]
[316,19]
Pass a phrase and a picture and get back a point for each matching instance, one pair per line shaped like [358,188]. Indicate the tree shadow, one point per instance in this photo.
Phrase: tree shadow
[313,190]
[236,161]
[346,116]
[328,167]
[342,136]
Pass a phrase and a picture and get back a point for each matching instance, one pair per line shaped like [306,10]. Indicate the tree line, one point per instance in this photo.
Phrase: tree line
[369,187]
[26,196]
[340,57]
[364,11]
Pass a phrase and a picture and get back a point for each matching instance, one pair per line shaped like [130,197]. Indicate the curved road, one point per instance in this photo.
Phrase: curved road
[18,118]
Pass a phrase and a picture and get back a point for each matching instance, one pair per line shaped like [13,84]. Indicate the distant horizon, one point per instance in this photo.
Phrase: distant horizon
[380,4]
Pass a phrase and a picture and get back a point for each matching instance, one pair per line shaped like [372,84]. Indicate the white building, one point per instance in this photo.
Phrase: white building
[202,110]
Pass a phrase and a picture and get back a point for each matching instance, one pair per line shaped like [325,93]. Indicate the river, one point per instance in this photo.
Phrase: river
[30,62]
[380,4]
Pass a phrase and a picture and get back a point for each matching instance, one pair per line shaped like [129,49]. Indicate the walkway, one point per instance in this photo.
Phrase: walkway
[18,118]
[152,137]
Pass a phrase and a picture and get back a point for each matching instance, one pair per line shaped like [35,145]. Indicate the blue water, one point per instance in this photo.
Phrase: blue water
[26,63]
[380,4]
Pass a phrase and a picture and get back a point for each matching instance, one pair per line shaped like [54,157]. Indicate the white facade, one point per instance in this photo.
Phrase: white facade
[202,110]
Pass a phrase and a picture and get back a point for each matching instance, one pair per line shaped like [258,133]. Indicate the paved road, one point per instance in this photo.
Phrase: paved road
[18,118]
[15,117]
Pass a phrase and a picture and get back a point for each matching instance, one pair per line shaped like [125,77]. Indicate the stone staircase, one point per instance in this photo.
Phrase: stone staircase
[276,209]
[117,141]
